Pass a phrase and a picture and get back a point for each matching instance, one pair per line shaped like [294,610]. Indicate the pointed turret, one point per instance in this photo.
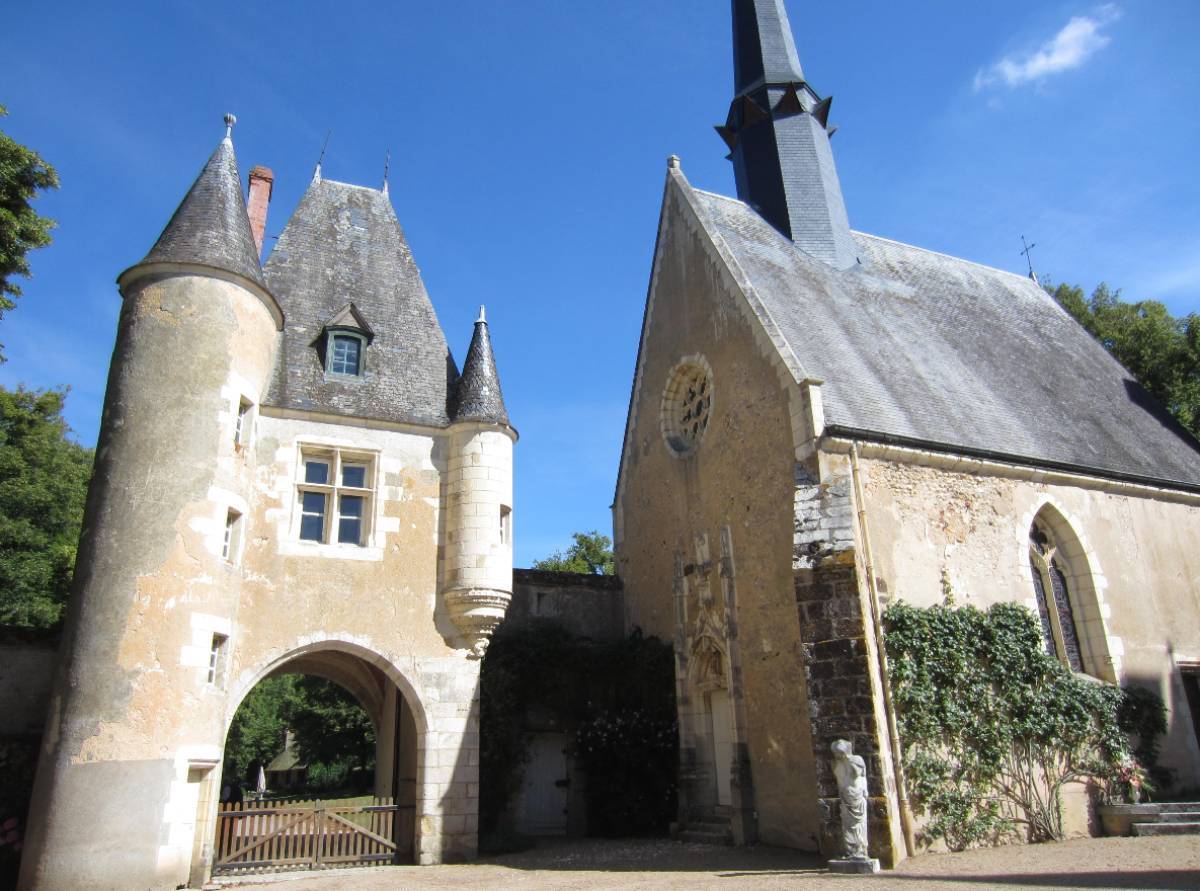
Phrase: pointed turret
[479,396]
[210,227]
[779,139]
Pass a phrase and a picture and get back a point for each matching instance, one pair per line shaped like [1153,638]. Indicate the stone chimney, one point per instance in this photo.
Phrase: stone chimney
[261,182]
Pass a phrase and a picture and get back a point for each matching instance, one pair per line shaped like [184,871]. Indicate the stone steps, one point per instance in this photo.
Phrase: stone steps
[707,831]
[1189,827]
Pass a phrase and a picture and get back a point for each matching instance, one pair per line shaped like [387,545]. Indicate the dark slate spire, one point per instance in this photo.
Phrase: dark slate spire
[763,49]
[778,137]
[479,396]
[210,226]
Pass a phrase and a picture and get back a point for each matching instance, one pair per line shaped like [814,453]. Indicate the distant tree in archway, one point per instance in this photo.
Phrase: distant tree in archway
[330,725]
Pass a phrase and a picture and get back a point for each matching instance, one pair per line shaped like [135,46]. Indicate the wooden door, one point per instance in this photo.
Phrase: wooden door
[722,743]
[543,804]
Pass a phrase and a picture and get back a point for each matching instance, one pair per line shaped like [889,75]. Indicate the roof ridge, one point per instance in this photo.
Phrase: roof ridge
[925,250]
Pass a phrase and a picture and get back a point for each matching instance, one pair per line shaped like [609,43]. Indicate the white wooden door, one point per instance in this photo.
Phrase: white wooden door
[722,742]
[543,804]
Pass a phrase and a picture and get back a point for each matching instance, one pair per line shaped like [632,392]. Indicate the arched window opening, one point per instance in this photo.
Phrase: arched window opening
[1055,609]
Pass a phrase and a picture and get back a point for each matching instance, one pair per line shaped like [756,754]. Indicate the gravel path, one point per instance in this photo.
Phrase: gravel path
[1171,862]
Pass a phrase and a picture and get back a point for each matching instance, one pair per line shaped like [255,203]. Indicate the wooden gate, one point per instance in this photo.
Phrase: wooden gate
[270,836]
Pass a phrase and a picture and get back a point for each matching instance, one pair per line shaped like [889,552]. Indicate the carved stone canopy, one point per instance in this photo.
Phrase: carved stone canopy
[476,612]
[707,664]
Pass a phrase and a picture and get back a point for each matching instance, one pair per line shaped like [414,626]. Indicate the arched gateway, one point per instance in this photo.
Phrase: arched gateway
[290,472]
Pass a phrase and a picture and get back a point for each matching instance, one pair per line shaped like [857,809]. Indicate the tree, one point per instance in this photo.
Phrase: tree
[43,485]
[260,726]
[330,724]
[22,174]
[590,554]
[1161,351]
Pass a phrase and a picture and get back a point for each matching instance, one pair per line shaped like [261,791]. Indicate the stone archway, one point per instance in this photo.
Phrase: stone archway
[395,711]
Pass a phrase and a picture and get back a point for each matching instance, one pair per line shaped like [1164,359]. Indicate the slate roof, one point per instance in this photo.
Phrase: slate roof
[764,51]
[921,348]
[479,396]
[344,244]
[210,226]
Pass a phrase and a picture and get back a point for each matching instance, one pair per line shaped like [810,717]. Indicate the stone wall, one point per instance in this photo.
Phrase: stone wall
[1132,558]
[587,605]
[734,631]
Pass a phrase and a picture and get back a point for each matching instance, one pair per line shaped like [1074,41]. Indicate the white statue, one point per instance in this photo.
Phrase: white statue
[851,773]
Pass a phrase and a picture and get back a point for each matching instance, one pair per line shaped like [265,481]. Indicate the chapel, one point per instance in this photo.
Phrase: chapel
[824,421]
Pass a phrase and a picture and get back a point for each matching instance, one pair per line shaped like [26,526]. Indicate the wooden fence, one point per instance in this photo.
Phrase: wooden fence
[270,836]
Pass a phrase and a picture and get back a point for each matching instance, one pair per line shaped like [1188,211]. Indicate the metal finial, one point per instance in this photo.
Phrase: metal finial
[230,120]
[673,162]
[387,162]
[1029,259]
[325,145]
[482,316]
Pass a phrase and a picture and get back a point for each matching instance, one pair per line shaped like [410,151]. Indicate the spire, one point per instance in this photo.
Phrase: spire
[763,49]
[210,227]
[778,135]
[479,396]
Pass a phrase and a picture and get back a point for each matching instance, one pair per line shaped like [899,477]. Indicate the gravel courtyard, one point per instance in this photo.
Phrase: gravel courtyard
[1171,862]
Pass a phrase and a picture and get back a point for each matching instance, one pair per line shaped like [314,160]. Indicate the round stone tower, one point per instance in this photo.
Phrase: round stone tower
[478,553]
[133,739]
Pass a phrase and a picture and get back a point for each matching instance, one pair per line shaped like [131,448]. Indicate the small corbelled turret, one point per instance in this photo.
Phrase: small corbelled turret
[479,396]
[210,227]
[778,136]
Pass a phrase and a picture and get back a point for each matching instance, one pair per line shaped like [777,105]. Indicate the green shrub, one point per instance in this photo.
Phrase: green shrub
[992,727]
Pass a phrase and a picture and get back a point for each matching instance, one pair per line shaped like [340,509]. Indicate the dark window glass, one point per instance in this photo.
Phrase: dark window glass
[1039,589]
[345,358]
[350,513]
[316,472]
[312,520]
[354,475]
[1066,617]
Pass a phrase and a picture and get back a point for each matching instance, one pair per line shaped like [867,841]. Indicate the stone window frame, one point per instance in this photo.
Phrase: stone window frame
[218,657]
[1100,651]
[243,423]
[680,444]
[336,458]
[231,543]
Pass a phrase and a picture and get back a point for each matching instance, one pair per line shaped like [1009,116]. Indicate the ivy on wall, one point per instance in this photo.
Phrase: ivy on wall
[993,729]
[617,702]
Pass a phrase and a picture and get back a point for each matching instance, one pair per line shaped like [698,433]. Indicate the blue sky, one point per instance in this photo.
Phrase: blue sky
[529,141]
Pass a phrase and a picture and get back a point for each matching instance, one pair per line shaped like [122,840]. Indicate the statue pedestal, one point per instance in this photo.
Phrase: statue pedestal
[856,866]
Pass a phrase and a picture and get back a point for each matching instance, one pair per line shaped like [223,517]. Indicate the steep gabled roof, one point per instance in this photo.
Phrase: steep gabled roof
[344,244]
[210,226]
[923,348]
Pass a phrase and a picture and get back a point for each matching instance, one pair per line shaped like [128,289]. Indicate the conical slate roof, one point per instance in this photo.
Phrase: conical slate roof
[344,245]
[479,396]
[210,226]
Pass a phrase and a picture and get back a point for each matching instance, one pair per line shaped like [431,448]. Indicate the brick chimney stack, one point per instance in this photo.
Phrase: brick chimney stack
[261,182]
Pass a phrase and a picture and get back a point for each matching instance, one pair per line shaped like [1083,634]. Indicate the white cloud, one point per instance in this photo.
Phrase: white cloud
[1073,45]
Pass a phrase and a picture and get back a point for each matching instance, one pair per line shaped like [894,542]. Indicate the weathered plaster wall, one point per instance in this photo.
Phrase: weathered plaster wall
[741,477]
[1134,565]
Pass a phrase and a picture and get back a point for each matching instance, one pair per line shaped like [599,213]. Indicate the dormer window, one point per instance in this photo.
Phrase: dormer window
[346,337]
[345,354]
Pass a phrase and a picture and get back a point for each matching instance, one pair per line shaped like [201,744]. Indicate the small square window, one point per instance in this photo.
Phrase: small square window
[312,518]
[316,472]
[354,475]
[350,517]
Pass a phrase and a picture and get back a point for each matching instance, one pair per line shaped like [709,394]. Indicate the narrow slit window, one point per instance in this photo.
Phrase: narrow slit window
[229,547]
[241,433]
[216,660]
[505,525]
